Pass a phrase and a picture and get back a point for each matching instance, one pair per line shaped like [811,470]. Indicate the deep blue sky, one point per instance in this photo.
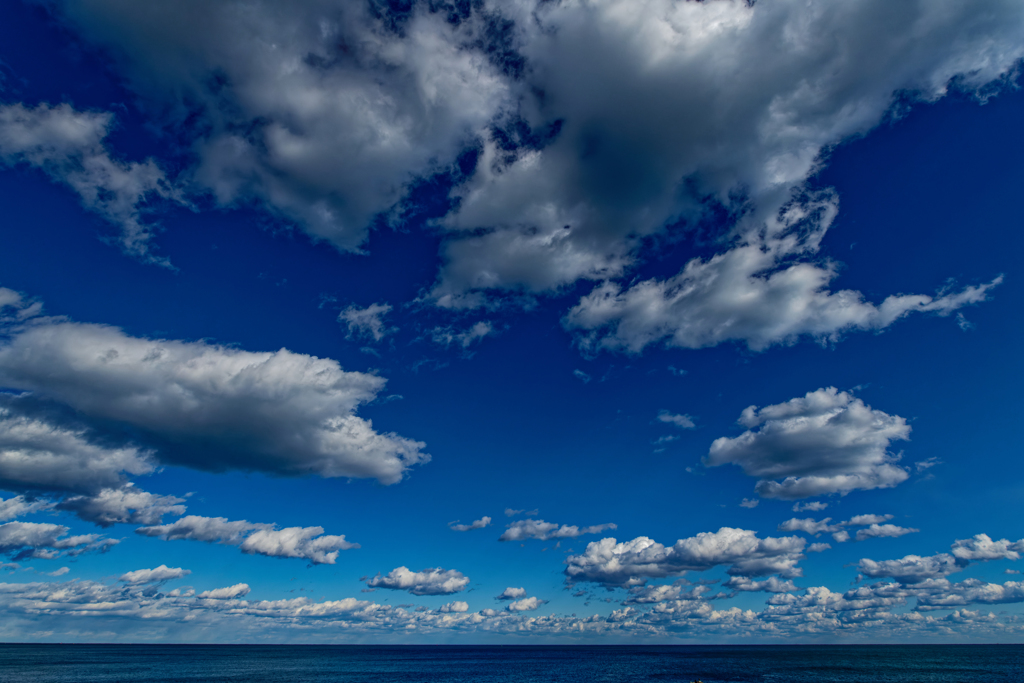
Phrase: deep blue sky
[531,414]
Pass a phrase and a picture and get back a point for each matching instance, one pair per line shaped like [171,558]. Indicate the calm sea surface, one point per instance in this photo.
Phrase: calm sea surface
[484,664]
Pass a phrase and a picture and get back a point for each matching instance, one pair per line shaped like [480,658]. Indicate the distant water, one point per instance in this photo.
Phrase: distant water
[518,664]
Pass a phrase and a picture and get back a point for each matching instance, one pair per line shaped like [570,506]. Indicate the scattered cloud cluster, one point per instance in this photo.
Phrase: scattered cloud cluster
[30,540]
[632,563]
[307,543]
[542,531]
[367,323]
[826,442]
[875,527]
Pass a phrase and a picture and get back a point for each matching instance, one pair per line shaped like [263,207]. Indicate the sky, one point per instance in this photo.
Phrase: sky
[535,321]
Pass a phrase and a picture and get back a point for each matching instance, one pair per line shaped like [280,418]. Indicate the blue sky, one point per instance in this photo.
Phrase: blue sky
[517,322]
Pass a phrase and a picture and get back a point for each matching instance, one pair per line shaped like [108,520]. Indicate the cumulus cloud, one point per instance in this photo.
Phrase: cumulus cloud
[227,593]
[875,527]
[631,563]
[681,421]
[307,543]
[772,584]
[124,505]
[813,506]
[525,605]
[478,524]
[68,146]
[19,505]
[884,531]
[156,575]
[511,593]
[571,131]
[47,541]
[642,595]
[206,406]
[754,293]
[539,529]
[456,607]
[323,112]
[427,582]
[823,443]
[367,322]
[914,569]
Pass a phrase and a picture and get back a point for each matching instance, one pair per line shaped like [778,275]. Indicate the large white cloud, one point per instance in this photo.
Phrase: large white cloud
[427,582]
[68,146]
[597,124]
[316,109]
[825,442]
[633,562]
[208,406]
[539,529]
[307,543]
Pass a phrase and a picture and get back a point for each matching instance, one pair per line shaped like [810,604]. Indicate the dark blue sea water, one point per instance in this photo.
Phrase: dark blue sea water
[518,664]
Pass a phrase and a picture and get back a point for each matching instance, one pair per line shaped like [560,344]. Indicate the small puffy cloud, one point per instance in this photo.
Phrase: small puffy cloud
[875,527]
[981,547]
[156,575]
[543,531]
[46,541]
[68,146]
[478,524]
[825,442]
[427,582]
[681,421]
[367,322]
[237,591]
[447,336]
[818,547]
[814,506]
[914,569]
[642,595]
[124,505]
[525,605]
[59,572]
[209,407]
[749,503]
[511,593]
[633,562]
[305,543]
[456,607]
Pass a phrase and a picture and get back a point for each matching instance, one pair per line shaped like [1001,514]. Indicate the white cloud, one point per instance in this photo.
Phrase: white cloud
[367,322]
[874,523]
[981,547]
[456,607]
[19,505]
[156,575]
[642,595]
[320,112]
[305,543]
[124,505]
[814,506]
[509,512]
[46,541]
[581,376]
[749,503]
[539,529]
[227,593]
[446,336]
[525,605]
[511,593]
[207,406]
[681,421]
[427,582]
[914,569]
[633,562]
[478,524]
[826,442]
[754,293]
[208,529]
[772,584]
[68,146]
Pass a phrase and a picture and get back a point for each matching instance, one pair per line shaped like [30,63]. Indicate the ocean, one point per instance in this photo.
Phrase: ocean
[511,664]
